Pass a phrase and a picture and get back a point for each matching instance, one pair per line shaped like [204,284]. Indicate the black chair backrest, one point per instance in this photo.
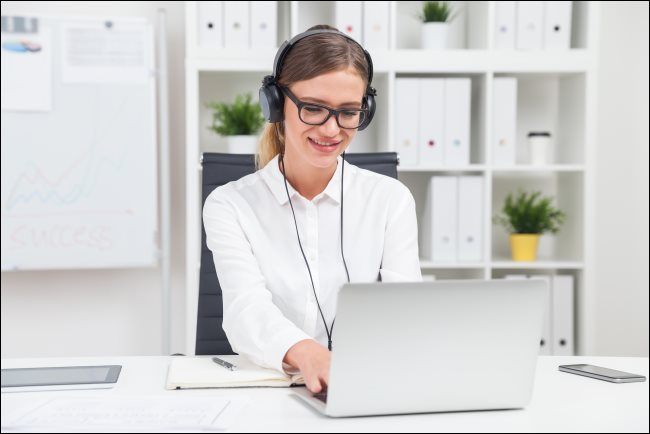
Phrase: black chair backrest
[219,169]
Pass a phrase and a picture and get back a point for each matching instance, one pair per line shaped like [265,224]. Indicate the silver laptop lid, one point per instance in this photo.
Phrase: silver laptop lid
[435,346]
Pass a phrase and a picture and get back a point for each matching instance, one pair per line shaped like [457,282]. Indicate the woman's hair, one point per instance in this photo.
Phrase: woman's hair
[308,58]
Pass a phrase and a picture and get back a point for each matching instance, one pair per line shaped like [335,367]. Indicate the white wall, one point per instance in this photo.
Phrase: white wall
[622,219]
[118,311]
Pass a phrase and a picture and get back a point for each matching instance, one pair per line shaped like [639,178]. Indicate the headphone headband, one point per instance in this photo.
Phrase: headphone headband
[288,45]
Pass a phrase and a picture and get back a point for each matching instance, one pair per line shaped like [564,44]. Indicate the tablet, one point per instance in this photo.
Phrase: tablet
[60,378]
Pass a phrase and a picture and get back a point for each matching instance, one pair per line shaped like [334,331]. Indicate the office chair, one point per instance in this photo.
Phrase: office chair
[219,169]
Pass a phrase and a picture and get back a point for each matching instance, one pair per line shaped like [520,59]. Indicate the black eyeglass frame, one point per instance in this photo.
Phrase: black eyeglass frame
[335,112]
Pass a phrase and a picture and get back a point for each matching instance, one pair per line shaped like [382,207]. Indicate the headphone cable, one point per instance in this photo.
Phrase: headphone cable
[330,329]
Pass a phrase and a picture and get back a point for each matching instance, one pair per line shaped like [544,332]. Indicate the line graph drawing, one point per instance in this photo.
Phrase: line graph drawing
[79,187]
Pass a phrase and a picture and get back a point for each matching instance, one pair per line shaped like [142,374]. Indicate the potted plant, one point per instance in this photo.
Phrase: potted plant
[435,17]
[238,122]
[526,217]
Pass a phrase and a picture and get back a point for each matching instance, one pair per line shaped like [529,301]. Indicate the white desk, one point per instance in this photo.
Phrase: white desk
[561,401]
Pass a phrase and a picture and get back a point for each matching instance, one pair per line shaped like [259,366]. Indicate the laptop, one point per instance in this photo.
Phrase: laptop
[433,347]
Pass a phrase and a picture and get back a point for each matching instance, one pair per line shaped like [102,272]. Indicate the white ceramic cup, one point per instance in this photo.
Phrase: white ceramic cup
[539,147]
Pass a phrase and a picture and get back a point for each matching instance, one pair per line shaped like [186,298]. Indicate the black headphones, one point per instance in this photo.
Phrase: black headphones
[272,98]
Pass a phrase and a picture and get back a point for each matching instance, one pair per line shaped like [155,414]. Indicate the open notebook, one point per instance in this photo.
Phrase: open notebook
[202,372]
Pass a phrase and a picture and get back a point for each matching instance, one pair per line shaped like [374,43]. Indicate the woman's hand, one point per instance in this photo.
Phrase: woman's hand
[313,361]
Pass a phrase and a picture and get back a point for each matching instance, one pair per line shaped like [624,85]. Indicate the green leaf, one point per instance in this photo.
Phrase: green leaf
[435,11]
[529,214]
[241,118]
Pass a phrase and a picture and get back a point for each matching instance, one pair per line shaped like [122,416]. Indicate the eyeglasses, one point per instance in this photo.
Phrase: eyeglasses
[316,114]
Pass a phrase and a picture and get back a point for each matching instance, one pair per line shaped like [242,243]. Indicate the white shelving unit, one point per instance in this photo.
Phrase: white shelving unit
[556,91]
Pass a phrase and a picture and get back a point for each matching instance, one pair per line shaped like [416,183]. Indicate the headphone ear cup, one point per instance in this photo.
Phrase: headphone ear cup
[272,103]
[371,106]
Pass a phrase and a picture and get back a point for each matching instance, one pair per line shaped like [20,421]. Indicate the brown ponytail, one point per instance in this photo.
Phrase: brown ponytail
[271,144]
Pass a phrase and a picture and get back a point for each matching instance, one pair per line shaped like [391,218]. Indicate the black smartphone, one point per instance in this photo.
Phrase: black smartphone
[601,373]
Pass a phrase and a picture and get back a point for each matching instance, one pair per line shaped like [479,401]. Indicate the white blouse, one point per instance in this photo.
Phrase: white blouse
[268,301]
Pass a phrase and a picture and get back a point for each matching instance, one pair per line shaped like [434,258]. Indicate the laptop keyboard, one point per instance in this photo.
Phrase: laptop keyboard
[321,396]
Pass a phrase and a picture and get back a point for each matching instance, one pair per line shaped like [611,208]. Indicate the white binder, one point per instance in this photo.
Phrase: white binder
[426,226]
[439,221]
[546,341]
[504,131]
[470,218]
[431,121]
[557,25]
[444,192]
[348,19]
[457,121]
[505,25]
[530,17]
[375,25]
[563,292]
[406,120]
[264,24]
[236,24]
[210,16]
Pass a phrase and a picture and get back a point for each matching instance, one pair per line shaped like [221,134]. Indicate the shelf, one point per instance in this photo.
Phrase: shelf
[540,265]
[469,168]
[424,264]
[414,61]
[565,62]
[503,265]
[407,61]
[534,169]
[497,170]
[242,60]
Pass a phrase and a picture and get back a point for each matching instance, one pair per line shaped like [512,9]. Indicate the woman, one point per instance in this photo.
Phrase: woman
[277,236]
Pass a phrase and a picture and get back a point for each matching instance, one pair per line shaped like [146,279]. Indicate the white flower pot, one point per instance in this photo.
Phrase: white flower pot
[434,36]
[241,144]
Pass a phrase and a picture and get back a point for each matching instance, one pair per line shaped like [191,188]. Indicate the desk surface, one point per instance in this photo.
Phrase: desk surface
[561,401]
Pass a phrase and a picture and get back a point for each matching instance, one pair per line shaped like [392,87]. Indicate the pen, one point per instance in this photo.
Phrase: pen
[225,364]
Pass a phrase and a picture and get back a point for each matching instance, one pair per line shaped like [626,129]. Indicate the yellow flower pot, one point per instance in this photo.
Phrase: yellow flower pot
[524,246]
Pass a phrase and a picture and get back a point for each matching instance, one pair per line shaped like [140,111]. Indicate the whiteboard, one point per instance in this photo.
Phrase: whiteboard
[79,164]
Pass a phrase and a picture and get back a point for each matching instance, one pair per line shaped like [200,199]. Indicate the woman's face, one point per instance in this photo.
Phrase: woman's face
[338,89]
